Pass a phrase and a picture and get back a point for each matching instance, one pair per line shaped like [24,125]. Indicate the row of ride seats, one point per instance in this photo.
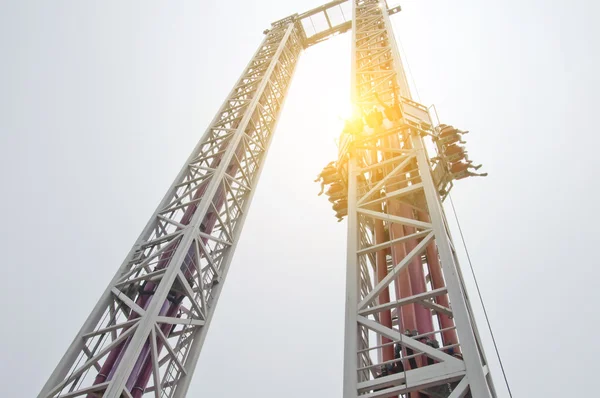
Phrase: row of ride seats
[452,155]
[374,119]
[366,124]
[337,191]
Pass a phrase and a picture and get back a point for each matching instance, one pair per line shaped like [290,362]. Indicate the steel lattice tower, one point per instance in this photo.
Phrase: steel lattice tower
[397,232]
[145,334]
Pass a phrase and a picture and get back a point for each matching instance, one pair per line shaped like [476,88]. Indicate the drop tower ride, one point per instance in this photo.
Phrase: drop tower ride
[410,330]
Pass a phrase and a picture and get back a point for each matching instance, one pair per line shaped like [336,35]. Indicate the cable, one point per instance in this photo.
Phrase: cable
[480,297]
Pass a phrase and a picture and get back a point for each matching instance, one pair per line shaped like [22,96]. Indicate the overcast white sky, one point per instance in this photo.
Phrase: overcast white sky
[101,102]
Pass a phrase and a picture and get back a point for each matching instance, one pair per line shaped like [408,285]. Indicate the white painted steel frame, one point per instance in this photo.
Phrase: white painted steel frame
[186,248]
[398,150]
[184,252]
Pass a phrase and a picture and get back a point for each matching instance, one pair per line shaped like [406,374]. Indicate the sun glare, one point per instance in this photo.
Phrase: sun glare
[343,110]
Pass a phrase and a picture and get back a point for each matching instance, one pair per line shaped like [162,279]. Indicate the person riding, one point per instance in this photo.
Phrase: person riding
[354,126]
[446,130]
[341,209]
[328,175]
[453,153]
[392,112]
[452,139]
[454,149]
[334,189]
[462,170]
[374,118]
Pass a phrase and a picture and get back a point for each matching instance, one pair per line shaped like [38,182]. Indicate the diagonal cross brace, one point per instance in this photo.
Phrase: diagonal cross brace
[373,294]
[408,341]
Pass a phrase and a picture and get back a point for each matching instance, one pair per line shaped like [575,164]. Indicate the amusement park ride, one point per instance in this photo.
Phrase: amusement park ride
[409,329]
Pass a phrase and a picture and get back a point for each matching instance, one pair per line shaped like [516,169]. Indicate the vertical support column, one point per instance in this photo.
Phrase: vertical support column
[390,186]
[384,297]
[464,323]
[161,301]
[437,281]
[351,331]
[196,348]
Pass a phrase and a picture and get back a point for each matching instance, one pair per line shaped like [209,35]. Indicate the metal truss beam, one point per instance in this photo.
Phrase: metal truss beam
[397,234]
[144,336]
[328,20]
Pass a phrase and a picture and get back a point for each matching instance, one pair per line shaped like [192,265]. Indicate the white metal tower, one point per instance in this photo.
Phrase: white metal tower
[145,334]
[397,233]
